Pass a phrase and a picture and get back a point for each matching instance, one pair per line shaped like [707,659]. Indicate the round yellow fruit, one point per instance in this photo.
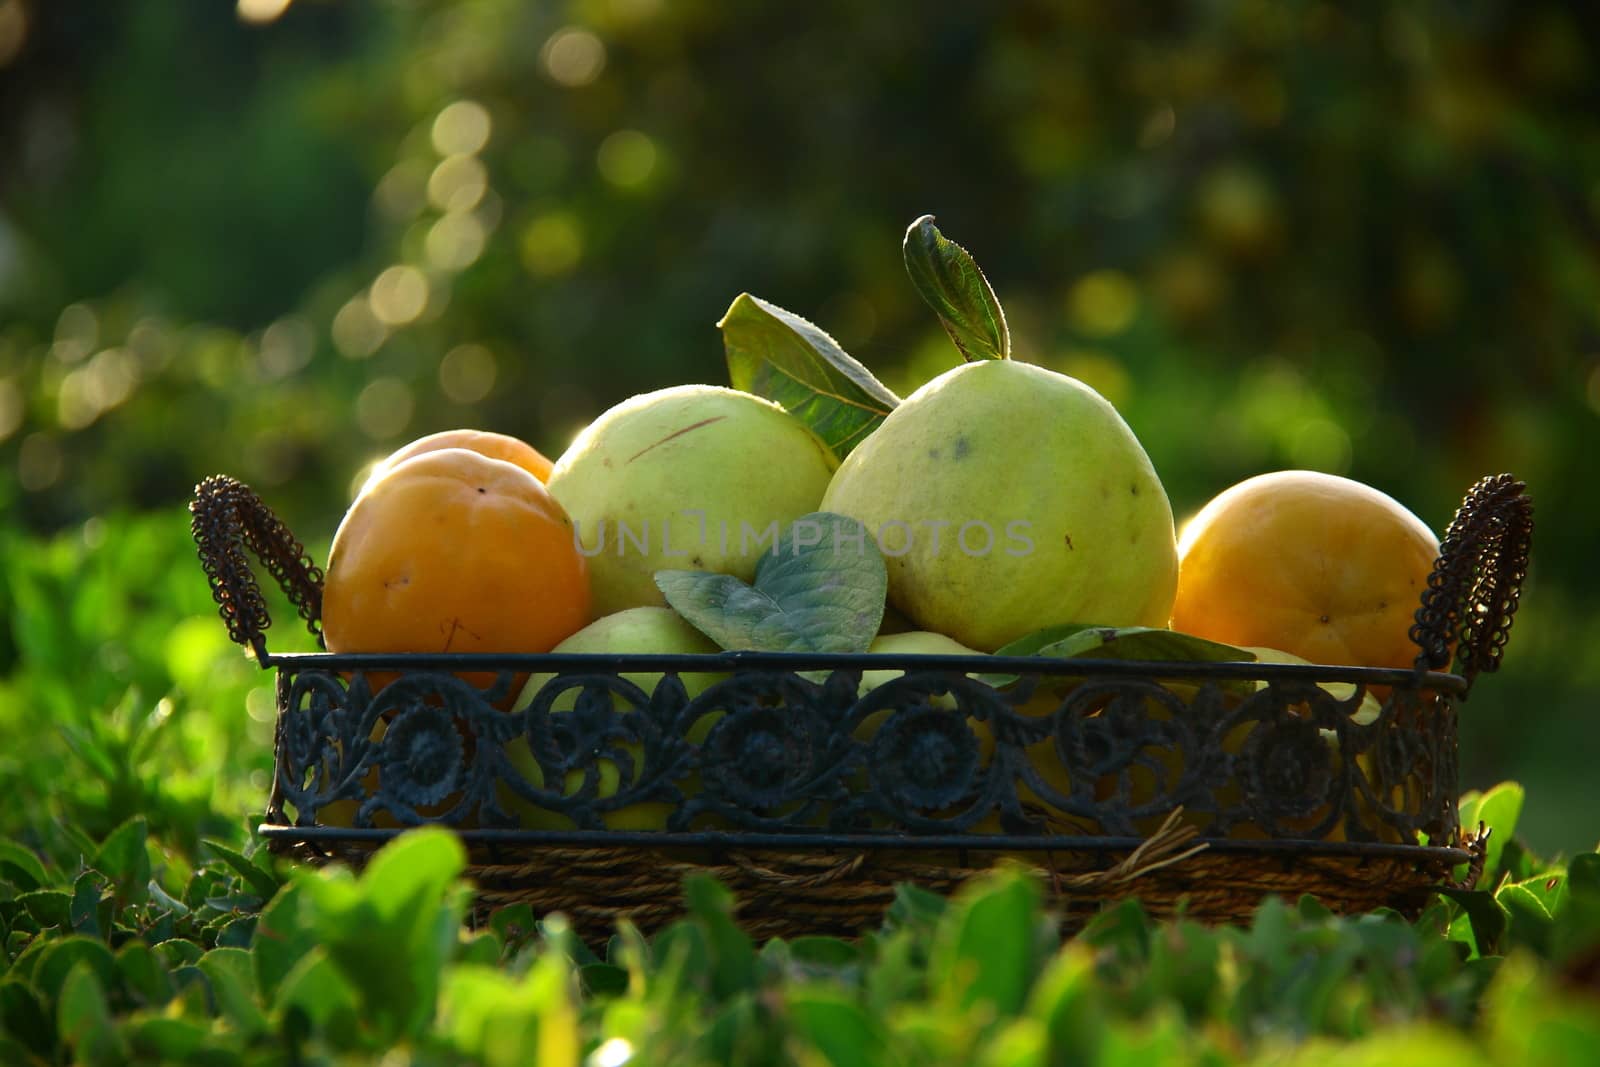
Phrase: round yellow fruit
[633,631]
[1319,566]
[694,477]
[1006,498]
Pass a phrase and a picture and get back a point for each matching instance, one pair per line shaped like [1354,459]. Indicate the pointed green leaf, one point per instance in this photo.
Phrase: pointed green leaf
[83,1019]
[1500,809]
[86,893]
[733,958]
[24,1017]
[259,880]
[1151,644]
[391,933]
[20,867]
[778,355]
[144,973]
[165,1039]
[1067,999]
[124,859]
[49,907]
[836,1028]
[316,996]
[985,948]
[822,588]
[1487,919]
[948,278]
[178,951]
[234,985]
[62,955]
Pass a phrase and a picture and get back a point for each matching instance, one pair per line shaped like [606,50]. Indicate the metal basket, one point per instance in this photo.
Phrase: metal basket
[1200,787]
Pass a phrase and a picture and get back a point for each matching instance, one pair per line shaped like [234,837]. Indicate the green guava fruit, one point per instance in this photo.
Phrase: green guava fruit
[910,643]
[695,477]
[634,631]
[1006,498]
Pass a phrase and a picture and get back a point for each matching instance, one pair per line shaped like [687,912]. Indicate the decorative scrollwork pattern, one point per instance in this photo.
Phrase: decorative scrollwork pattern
[932,751]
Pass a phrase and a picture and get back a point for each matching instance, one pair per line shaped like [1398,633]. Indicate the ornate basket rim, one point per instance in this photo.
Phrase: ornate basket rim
[811,877]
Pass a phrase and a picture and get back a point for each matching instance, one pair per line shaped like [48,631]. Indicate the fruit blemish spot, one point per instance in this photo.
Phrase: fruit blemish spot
[962,448]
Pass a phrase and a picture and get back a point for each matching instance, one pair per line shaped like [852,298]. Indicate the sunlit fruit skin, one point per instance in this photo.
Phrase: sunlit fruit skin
[685,470]
[633,631]
[1081,527]
[485,442]
[452,551]
[1317,565]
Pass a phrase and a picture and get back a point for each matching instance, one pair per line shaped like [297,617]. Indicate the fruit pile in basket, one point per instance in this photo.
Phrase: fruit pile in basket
[1001,507]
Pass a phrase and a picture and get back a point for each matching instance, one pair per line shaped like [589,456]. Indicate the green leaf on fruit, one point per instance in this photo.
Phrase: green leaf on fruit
[948,278]
[1146,643]
[778,355]
[821,588]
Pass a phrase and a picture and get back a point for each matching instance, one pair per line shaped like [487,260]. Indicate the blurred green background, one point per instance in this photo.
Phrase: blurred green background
[278,239]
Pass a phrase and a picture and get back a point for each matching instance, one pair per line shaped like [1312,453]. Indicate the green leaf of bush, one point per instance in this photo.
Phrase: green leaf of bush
[61,956]
[234,986]
[1498,808]
[125,860]
[391,933]
[20,867]
[259,880]
[23,1016]
[315,997]
[776,354]
[836,1028]
[984,951]
[947,277]
[283,935]
[83,1019]
[822,588]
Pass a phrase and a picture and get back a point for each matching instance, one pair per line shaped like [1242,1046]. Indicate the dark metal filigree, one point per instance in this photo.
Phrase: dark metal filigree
[769,749]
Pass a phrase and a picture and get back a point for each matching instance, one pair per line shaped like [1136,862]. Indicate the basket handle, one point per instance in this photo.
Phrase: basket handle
[227,518]
[1476,581]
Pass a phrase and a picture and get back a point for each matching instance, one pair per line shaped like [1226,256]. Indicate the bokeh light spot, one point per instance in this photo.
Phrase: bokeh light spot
[77,333]
[399,295]
[461,129]
[467,373]
[1102,303]
[457,183]
[13,29]
[91,390]
[454,242]
[261,12]
[573,57]
[357,333]
[627,158]
[286,346]
[39,462]
[384,408]
[1320,444]
[1100,372]
[552,244]
[403,191]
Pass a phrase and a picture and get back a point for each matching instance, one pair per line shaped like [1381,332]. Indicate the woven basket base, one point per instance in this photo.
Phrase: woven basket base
[789,893]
